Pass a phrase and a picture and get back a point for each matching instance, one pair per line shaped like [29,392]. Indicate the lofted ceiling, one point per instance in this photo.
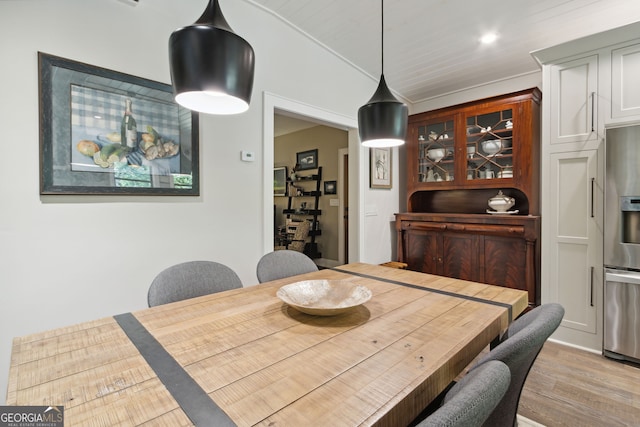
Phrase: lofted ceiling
[432,47]
[285,123]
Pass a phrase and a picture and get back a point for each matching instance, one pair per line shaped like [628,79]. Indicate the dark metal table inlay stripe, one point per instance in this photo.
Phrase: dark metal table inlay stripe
[193,400]
[437,291]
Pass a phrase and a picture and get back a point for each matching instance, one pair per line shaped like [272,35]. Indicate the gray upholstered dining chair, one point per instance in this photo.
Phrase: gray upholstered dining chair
[285,263]
[189,280]
[518,350]
[470,401]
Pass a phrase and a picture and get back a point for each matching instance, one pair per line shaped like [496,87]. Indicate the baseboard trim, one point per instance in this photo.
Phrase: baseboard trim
[578,347]
[526,422]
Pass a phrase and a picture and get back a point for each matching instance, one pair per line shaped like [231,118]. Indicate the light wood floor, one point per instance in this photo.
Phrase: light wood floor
[572,387]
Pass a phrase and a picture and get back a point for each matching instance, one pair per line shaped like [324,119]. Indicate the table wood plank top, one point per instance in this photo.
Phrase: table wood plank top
[264,363]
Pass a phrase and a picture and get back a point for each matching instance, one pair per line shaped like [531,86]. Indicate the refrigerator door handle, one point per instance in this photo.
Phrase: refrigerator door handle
[623,277]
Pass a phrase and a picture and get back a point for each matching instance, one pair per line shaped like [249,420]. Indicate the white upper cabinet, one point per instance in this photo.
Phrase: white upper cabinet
[574,100]
[625,82]
[590,84]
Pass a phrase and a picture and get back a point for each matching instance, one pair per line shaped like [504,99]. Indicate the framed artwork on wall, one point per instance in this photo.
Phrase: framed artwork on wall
[330,187]
[105,132]
[280,181]
[307,159]
[380,168]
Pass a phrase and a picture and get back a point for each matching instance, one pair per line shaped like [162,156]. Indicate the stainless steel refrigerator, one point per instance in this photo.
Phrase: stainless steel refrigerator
[622,244]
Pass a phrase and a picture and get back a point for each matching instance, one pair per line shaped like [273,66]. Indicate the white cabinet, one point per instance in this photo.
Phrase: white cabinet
[573,101]
[572,244]
[572,194]
[587,85]
[625,84]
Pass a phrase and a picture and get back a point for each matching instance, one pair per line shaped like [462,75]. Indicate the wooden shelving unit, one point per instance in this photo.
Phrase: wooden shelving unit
[298,208]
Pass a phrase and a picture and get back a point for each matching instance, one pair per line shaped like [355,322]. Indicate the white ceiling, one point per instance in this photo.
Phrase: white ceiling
[431,47]
[284,124]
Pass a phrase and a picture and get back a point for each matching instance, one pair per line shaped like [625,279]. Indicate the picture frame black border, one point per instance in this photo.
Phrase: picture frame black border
[330,187]
[303,154]
[46,67]
[281,169]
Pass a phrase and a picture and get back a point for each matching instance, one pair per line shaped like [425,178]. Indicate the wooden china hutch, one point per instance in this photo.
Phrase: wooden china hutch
[458,158]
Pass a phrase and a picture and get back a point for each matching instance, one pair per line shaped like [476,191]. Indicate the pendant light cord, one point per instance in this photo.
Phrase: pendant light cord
[382,122]
[382,36]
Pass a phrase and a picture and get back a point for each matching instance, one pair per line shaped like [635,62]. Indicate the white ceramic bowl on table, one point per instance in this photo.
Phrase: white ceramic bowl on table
[324,297]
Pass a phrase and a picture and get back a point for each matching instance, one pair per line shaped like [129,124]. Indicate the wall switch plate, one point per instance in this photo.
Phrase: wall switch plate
[247,156]
[334,202]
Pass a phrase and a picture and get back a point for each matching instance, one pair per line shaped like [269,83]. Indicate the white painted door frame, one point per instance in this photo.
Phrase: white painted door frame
[341,203]
[357,169]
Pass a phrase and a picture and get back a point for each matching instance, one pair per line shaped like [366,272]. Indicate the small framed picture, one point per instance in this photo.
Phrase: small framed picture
[380,168]
[280,181]
[307,159]
[330,187]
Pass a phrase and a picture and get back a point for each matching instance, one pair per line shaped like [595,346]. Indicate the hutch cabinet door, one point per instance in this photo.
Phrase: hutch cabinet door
[433,151]
[489,144]
[460,256]
[421,249]
[505,262]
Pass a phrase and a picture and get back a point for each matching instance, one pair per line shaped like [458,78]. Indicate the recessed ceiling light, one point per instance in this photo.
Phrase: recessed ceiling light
[489,38]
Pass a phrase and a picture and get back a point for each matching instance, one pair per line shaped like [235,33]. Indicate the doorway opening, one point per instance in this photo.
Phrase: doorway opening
[347,235]
[319,201]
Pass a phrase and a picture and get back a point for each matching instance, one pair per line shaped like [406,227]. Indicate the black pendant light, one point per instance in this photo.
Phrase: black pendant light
[382,122]
[211,66]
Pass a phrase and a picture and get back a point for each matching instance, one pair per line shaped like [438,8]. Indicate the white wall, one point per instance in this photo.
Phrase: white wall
[380,205]
[68,259]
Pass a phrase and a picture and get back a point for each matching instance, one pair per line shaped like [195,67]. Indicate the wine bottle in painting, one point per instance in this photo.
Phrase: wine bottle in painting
[128,128]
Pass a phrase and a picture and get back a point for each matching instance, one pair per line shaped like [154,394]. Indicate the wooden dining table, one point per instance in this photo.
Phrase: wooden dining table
[243,357]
